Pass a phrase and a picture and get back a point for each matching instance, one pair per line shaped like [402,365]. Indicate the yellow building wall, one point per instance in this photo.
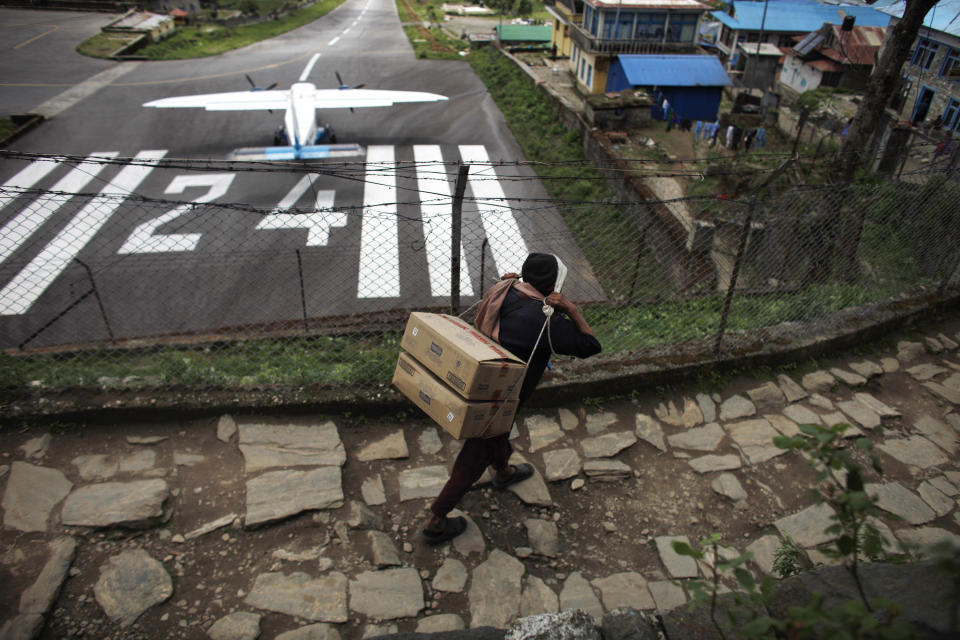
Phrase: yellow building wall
[561,32]
[600,65]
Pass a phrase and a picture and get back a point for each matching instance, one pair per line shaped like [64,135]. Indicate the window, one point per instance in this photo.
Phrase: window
[609,21]
[682,27]
[951,116]
[786,41]
[650,26]
[594,21]
[589,74]
[951,64]
[899,98]
[625,26]
[924,54]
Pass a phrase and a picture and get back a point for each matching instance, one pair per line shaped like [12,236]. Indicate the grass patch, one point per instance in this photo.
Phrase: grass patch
[7,126]
[434,44]
[323,360]
[212,39]
[104,45]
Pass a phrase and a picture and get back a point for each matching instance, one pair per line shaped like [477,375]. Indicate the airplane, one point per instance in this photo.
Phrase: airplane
[300,136]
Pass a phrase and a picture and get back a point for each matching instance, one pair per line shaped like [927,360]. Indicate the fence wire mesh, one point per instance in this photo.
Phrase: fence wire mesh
[107,286]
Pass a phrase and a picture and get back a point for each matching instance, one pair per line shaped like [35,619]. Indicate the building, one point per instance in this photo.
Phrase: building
[693,84]
[832,57]
[592,33]
[154,26]
[778,22]
[929,91]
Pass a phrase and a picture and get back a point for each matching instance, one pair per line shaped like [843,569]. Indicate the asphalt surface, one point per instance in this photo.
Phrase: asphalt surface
[160,269]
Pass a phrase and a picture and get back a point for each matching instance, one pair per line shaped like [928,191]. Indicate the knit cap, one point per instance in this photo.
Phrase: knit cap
[540,270]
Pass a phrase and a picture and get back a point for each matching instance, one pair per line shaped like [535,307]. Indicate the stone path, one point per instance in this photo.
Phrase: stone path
[246,527]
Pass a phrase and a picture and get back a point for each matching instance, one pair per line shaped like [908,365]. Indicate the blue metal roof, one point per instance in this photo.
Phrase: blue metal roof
[674,71]
[944,16]
[798,16]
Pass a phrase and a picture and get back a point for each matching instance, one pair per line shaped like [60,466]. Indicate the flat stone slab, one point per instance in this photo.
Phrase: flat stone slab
[429,441]
[801,415]
[40,596]
[867,368]
[860,413]
[898,500]
[677,566]
[600,422]
[319,631]
[242,625]
[949,394]
[808,527]
[391,447]
[908,351]
[767,397]
[938,501]
[818,381]
[226,428]
[211,526]
[667,595]
[568,419]
[669,413]
[372,491]
[129,584]
[607,445]
[708,463]
[821,402]
[439,623]
[927,536]
[388,594]
[754,438]
[791,390]
[538,598]
[850,378]
[561,464]
[543,431]
[706,438]
[280,494]
[383,550]
[451,577]
[606,469]
[708,408]
[939,432]
[31,494]
[727,485]
[914,450]
[577,593]
[783,424]
[266,446]
[470,541]
[322,599]
[425,482]
[544,537]
[882,409]
[96,466]
[36,448]
[649,430]
[534,489]
[129,504]
[764,551]
[924,372]
[736,407]
[495,591]
[627,589]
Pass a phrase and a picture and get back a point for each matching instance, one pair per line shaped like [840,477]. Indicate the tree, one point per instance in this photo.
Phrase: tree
[883,83]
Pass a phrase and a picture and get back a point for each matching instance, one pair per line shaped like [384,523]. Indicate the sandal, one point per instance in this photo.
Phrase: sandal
[452,528]
[521,473]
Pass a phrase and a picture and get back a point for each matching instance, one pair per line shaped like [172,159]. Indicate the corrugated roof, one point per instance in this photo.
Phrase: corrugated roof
[798,16]
[766,49]
[689,5]
[524,32]
[674,71]
[826,65]
[944,16]
[857,46]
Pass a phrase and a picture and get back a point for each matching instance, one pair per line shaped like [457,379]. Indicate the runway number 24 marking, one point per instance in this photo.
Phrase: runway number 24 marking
[145,238]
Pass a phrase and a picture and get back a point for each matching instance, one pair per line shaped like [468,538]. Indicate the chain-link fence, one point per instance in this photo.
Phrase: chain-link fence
[110,286]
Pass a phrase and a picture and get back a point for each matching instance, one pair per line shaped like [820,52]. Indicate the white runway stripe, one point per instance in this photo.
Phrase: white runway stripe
[436,212]
[16,232]
[379,275]
[30,283]
[318,223]
[26,178]
[499,225]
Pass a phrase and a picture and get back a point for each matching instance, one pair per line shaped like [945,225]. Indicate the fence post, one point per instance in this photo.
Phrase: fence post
[455,236]
[96,294]
[741,250]
[303,296]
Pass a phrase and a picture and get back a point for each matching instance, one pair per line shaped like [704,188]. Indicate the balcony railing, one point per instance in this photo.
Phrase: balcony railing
[592,44]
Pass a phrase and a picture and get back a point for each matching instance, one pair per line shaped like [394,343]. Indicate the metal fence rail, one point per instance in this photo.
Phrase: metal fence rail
[112,287]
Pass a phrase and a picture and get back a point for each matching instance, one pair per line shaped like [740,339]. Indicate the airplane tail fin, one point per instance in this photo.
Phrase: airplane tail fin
[304,152]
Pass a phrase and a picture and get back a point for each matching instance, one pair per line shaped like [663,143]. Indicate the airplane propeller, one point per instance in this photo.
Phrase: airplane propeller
[254,87]
[344,87]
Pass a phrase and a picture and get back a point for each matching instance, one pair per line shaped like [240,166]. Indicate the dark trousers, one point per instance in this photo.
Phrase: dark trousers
[476,455]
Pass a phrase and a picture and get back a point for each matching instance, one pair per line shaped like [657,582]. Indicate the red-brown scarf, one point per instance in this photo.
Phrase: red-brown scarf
[488,313]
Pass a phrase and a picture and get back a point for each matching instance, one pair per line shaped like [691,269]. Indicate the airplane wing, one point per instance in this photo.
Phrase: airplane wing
[230,101]
[306,152]
[360,98]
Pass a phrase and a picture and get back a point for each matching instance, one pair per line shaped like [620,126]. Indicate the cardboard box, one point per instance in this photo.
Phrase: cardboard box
[470,363]
[459,417]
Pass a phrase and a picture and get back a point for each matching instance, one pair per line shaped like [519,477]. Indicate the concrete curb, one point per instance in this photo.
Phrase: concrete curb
[25,122]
